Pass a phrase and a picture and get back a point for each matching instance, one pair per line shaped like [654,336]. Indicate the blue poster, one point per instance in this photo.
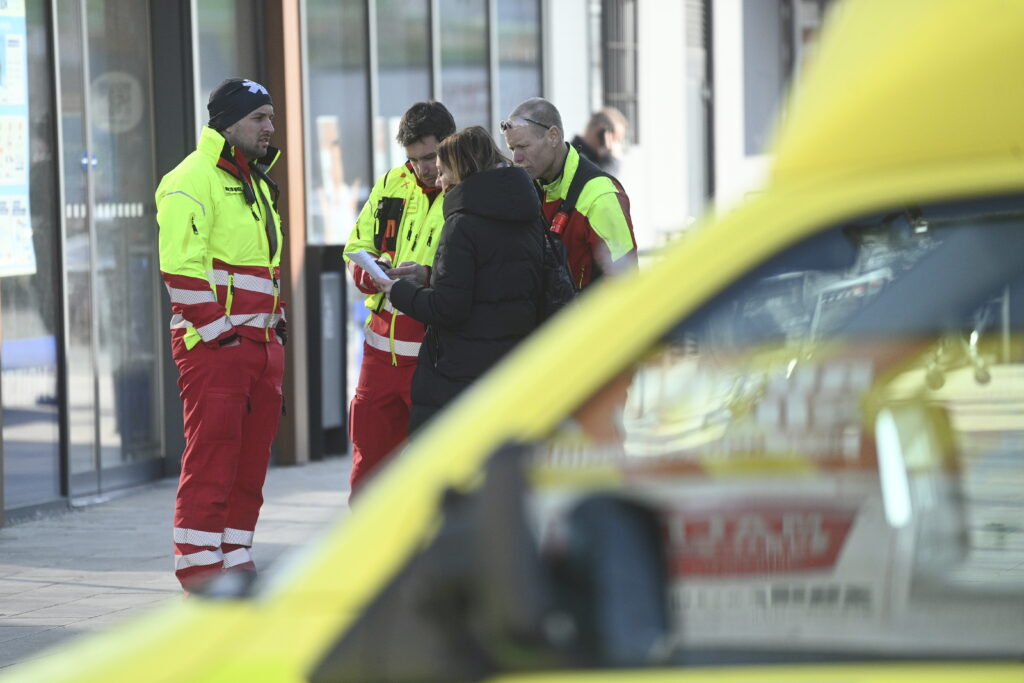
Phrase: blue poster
[17,255]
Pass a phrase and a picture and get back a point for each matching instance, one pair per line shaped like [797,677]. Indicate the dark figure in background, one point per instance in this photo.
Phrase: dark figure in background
[604,139]
[485,287]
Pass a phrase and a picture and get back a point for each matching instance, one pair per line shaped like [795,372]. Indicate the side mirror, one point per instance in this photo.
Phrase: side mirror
[919,475]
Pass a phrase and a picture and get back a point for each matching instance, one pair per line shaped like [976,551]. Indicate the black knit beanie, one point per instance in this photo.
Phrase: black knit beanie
[234,99]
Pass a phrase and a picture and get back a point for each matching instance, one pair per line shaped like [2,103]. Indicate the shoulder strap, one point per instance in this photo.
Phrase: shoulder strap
[586,171]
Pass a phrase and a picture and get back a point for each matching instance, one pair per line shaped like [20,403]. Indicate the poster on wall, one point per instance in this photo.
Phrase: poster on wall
[17,254]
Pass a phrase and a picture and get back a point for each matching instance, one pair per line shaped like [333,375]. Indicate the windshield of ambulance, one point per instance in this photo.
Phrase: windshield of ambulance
[833,446]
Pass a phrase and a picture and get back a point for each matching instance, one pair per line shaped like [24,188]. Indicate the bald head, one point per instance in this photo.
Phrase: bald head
[534,135]
[540,110]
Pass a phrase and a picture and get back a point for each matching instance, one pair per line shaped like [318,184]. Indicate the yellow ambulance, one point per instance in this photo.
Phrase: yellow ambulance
[791,449]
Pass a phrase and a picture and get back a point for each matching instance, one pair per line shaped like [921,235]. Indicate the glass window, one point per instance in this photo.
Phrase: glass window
[229,46]
[113,384]
[403,66]
[833,447]
[697,108]
[338,117]
[465,86]
[125,257]
[766,68]
[78,258]
[30,304]
[519,68]
[778,39]
[619,38]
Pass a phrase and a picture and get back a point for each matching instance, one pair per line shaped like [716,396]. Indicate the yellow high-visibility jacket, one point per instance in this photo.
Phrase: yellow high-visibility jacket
[399,220]
[220,244]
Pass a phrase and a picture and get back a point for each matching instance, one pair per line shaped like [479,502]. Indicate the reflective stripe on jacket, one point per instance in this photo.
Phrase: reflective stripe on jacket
[598,234]
[416,240]
[220,244]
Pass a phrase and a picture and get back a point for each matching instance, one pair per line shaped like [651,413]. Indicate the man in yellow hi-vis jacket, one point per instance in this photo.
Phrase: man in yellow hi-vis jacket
[220,256]
[400,224]
[586,207]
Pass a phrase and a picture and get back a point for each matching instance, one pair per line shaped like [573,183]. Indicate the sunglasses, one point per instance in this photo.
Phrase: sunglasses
[519,121]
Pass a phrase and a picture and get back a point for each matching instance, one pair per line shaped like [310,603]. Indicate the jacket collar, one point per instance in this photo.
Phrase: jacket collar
[214,146]
[559,187]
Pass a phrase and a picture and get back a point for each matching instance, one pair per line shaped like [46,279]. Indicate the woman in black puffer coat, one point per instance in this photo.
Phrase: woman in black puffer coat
[484,288]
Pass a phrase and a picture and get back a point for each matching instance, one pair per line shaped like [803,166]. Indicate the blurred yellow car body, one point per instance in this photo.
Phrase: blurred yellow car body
[914,103]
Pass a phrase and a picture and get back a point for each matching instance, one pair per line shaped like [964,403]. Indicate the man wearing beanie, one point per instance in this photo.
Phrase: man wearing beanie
[220,256]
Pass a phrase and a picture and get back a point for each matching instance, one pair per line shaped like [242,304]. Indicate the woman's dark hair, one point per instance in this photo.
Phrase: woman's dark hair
[469,151]
[424,119]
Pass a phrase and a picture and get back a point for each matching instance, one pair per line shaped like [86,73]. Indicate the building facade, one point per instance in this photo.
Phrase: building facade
[100,98]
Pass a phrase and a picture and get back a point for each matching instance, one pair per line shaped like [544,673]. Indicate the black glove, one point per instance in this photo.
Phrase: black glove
[230,340]
[282,332]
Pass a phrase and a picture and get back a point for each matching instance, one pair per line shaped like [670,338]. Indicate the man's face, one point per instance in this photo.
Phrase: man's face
[423,156]
[533,148]
[251,133]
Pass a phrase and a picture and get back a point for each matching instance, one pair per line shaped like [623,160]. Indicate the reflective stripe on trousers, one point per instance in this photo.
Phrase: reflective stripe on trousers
[232,406]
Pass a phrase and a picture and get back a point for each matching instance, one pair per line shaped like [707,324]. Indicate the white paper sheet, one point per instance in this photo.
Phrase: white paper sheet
[365,260]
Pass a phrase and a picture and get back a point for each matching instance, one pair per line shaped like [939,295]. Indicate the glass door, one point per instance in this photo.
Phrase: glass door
[29,269]
[110,245]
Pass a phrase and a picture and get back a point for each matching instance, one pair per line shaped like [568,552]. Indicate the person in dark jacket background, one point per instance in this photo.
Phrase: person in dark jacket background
[485,285]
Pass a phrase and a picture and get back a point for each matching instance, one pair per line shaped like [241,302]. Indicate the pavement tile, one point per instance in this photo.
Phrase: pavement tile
[34,645]
[14,586]
[73,610]
[26,603]
[56,582]
[21,630]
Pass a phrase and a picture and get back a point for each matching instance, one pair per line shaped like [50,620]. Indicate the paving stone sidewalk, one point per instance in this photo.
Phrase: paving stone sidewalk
[88,568]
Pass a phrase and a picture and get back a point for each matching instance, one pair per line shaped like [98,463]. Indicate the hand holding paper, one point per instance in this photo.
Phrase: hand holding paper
[367,262]
[411,271]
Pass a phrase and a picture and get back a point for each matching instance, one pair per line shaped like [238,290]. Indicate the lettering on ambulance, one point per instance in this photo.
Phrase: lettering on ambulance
[751,540]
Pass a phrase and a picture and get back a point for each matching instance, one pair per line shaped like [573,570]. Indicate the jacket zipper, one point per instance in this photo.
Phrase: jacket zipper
[230,295]
[273,310]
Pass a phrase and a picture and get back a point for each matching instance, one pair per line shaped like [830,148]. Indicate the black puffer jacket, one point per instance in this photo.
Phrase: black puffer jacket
[485,285]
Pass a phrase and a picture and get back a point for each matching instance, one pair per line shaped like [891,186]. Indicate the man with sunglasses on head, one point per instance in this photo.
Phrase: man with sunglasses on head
[399,224]
[585,206]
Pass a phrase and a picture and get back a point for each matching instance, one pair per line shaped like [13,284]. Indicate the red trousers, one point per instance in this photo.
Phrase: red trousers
[232,400]
[378,418]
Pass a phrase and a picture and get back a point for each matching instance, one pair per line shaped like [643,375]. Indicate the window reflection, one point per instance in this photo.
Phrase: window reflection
[124,258]
[338,117]
[29,304]
[403,59]
[81,372]
[229,46]
[833,445]
[518,52]
[465,87]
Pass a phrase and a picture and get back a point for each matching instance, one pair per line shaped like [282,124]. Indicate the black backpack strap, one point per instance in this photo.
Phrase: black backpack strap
[586,171]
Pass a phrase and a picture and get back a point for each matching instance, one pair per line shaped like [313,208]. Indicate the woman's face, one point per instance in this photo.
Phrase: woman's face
[444,176]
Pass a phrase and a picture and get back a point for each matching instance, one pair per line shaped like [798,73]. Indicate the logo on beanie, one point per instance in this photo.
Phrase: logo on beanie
[254,87]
